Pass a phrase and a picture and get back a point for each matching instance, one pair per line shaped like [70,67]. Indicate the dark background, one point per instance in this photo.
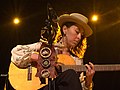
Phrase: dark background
[103,45]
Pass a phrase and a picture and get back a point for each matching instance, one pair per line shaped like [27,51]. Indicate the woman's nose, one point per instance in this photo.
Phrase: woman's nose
[79,36]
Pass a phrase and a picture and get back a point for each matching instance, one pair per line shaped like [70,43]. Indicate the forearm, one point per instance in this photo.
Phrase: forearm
[84,87]
[21,54]
[21,62]
[83,82]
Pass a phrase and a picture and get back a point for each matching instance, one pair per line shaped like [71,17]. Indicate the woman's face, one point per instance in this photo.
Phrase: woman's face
[73,35]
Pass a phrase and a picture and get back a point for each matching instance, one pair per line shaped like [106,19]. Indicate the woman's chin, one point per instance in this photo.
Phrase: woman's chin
[73,45]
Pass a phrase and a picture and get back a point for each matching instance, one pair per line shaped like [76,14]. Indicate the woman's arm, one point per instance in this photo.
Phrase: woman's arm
[21,54]
[89,75]
[86,81]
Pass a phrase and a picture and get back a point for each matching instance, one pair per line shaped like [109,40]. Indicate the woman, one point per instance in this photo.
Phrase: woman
[74,30]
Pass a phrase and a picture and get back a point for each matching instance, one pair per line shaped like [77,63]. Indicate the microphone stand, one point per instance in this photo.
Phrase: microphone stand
[48,29]
[49,34]
[52,18]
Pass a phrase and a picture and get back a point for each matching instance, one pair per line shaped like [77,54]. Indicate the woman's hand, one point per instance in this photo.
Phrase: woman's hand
[89,74]
[34,56]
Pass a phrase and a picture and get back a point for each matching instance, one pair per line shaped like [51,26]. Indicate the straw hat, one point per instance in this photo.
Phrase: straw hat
[79,19]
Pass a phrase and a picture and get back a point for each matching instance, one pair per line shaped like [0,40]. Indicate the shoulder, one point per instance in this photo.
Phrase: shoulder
[79,61]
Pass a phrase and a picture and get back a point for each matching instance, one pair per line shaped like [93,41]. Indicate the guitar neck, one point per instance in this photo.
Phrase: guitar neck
[79,68]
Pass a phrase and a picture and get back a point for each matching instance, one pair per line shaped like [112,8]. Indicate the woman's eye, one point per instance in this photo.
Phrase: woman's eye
[77,32]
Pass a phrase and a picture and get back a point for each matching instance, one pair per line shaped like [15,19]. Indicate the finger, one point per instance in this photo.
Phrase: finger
[91,65]
[88,67]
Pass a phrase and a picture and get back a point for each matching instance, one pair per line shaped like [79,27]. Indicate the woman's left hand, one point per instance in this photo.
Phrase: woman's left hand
[89,74]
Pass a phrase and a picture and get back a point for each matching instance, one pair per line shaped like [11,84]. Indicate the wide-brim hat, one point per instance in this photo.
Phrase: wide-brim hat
[79,19]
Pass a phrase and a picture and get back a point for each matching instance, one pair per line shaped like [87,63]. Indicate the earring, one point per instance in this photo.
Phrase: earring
[64,34]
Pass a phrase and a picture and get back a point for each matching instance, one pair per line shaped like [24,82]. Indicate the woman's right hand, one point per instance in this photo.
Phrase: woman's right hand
[34,56]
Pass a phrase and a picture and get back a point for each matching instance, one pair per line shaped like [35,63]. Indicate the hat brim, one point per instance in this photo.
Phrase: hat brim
[87,30]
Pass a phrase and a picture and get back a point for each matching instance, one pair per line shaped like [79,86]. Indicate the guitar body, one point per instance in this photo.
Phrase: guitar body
[18,79]
[65,59]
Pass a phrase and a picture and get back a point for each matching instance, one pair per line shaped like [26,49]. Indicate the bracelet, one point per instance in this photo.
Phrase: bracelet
[90,87]
[35,52]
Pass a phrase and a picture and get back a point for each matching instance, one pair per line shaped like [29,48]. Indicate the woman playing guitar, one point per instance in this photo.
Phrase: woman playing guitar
[69,47]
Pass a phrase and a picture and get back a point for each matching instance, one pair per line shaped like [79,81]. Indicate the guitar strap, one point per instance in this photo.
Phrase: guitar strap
[29,72]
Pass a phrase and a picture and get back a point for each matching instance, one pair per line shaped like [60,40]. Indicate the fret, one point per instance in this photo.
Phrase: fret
[79,68]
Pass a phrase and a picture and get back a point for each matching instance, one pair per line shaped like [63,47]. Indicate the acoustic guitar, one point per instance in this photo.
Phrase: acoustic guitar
[18,77]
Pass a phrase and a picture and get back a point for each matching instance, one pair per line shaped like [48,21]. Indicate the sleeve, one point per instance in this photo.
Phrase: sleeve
[21,54]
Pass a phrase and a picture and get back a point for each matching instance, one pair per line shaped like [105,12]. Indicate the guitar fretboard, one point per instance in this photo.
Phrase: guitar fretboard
[79,68]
